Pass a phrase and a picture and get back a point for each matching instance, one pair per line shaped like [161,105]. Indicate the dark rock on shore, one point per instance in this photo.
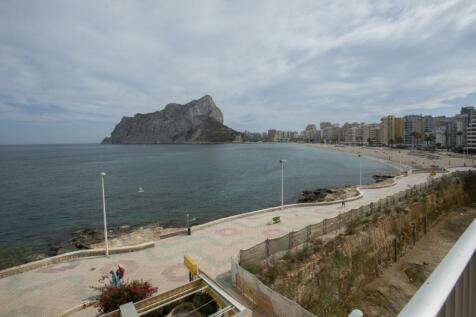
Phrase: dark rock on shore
[117,236]
[199,121]
[82,240]
[309,196]
[324,194]
[381,178]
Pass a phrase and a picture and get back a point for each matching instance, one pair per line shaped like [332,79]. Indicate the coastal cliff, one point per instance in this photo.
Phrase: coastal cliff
[199,121]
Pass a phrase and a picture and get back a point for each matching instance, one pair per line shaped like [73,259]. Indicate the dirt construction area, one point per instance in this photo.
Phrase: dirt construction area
[387,295]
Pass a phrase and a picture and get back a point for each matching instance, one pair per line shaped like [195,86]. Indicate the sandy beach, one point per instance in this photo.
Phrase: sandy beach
[418,160]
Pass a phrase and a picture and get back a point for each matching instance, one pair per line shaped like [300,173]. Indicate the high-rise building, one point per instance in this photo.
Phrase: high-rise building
[331,134]
[438,121]
[428,124]
[413,129]
[272,135]
[391,130]
[371,134]
[310,134]
[324,125]
[471,128]
[440,136]
[459,130]
[354,135]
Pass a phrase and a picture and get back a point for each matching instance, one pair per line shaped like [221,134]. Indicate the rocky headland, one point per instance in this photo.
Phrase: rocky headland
[199,121]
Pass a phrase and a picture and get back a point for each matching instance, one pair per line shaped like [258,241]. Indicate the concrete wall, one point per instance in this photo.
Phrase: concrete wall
[273,303]
[71,256]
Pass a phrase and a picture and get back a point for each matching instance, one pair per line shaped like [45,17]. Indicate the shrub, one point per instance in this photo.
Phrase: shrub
[252,268]
[111,297]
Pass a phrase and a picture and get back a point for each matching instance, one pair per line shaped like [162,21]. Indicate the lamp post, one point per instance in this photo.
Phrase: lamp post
[360,170]
[282,182]
[189,230]
[104,213]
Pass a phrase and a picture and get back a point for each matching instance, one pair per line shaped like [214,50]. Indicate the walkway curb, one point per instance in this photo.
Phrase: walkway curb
[66,257]
[77,308]
[256,212]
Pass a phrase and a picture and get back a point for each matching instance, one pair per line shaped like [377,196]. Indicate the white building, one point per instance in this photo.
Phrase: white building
[471,132]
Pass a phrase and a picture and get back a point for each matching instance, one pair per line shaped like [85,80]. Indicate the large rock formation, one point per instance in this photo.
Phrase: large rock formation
[199,121]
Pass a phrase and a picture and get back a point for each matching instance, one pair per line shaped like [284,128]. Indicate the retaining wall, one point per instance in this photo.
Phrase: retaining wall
[71,256]
[273,303]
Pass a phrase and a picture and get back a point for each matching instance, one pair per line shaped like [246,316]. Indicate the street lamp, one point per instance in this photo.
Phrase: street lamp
[104,213]
[282,182]
[360,169]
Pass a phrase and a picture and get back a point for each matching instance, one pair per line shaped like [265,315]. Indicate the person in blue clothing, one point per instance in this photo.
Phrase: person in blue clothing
[114,280]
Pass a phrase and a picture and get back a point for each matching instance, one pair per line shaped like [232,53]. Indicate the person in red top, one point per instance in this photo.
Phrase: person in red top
[120,272]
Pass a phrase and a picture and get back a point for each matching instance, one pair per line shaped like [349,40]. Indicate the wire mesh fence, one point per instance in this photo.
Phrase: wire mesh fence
[281,245]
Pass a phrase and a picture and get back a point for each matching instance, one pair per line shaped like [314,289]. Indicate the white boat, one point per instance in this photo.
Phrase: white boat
[141,190]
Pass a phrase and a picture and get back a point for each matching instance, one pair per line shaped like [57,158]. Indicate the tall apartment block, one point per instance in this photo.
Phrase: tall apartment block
[391,130]
[471,129]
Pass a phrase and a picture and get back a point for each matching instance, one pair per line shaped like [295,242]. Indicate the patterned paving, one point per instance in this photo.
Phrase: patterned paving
[49,291]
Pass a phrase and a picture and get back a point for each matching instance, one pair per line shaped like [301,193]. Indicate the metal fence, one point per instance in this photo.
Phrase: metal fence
[280,245]
[449,291]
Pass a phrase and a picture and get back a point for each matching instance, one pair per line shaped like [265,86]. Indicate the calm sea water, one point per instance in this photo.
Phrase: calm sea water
[48,191]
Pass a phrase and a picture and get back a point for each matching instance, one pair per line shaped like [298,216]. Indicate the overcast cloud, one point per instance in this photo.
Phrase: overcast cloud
[69,70]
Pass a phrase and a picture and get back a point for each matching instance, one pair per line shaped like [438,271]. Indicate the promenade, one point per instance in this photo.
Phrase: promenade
[51,290]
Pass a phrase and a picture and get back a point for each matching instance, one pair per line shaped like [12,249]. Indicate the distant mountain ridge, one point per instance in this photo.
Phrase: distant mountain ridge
[199,121]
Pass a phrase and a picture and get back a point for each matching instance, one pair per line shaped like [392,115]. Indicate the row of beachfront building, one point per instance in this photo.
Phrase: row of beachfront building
[457,132]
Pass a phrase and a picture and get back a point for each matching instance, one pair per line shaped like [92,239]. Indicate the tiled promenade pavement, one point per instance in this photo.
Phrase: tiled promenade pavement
[51,290]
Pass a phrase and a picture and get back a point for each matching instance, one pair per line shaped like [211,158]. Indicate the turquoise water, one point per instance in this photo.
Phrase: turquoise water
[48,191]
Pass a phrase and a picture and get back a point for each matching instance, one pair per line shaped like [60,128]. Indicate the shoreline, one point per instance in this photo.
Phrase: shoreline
[412,158]
[126,235]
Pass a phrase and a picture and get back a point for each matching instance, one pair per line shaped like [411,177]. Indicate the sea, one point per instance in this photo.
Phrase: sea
[49,191]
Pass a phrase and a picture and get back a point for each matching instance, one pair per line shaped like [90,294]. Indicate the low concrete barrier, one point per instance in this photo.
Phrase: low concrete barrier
[71,256]
[251,213]
[173,234]
[77,308]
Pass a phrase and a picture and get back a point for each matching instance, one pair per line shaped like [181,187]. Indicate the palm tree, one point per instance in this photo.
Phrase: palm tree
[399,140]
[429,138]
[417,136]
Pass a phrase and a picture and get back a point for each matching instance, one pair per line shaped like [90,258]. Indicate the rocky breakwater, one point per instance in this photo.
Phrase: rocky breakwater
[117,237]
[199,121]
[326,195]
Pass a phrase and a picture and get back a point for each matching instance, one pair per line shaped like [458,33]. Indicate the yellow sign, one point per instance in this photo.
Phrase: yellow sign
[190,264]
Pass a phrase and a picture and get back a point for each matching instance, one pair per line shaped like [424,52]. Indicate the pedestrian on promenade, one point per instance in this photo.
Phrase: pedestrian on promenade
[343,202]
[114,281]
[120,273]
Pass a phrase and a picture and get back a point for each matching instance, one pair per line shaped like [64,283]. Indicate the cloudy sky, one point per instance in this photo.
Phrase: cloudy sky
[69,70]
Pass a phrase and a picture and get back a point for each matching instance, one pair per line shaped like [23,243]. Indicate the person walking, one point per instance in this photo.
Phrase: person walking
[343,202]
[120,273]
[113,279]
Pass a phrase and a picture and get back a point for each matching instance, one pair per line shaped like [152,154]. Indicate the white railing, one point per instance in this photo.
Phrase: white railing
[450,291]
